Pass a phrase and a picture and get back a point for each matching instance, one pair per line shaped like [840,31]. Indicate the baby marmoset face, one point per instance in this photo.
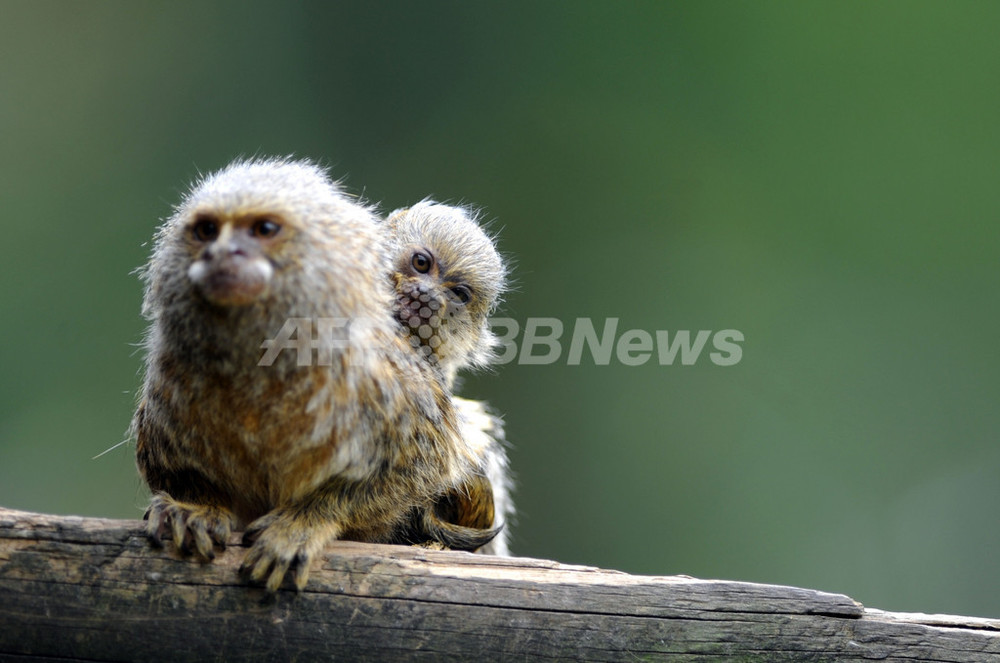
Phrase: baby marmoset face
[448,277]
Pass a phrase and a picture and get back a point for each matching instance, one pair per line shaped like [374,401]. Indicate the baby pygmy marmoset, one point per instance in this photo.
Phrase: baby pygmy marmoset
[448,278]
[297,447]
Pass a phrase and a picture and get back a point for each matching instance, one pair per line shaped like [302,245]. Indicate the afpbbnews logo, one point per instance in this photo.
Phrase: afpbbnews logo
[315,342]
[544,339]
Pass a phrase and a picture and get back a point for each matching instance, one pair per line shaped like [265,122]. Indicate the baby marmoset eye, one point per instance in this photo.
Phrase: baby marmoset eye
[462,292]
[422,261]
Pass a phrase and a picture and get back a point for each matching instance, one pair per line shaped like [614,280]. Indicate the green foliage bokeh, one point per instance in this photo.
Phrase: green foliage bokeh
[819,176]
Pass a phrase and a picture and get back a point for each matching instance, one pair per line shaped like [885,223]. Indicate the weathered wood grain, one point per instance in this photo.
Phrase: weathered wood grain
[95,590]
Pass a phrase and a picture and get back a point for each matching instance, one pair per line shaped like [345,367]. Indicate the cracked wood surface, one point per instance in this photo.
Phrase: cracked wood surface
[94,589]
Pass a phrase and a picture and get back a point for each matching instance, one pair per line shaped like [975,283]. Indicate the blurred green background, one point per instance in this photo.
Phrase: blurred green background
[819,176]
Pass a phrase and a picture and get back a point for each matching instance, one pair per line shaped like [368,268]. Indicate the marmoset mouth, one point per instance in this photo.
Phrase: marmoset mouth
[231,281]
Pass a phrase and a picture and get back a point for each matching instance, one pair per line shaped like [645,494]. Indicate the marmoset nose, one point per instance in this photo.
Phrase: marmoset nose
[229,244]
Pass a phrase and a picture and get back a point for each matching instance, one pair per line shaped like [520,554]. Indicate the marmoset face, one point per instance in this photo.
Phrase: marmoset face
[232,264]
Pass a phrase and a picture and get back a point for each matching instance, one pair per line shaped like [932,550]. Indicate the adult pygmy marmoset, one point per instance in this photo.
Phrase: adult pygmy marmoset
[448,278]
[342,443]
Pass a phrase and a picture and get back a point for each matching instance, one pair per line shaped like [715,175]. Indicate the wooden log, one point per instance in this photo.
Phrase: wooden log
[90,589]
